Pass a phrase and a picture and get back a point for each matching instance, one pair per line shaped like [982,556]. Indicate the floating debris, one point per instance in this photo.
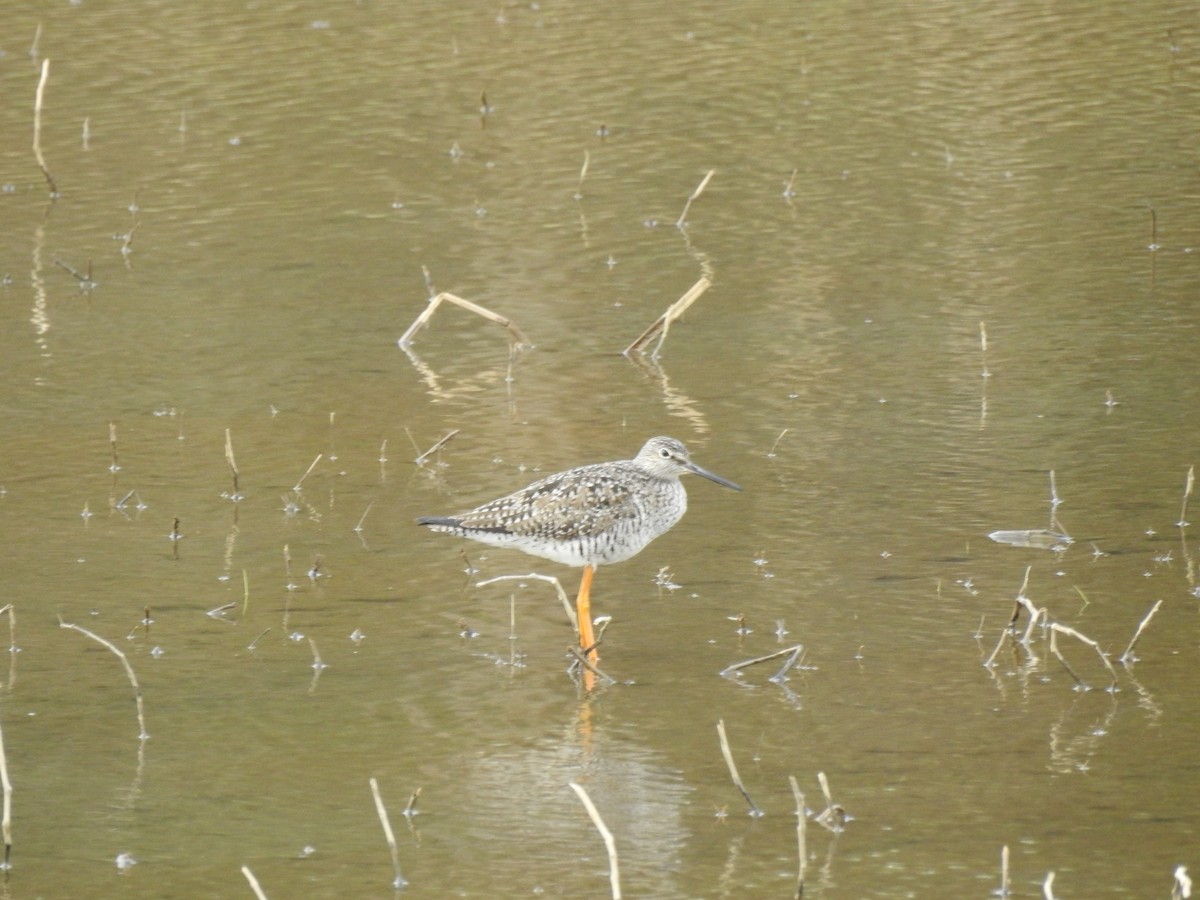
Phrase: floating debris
[1037,538]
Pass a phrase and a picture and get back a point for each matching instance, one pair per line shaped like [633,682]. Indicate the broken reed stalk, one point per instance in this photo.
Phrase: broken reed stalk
[582,175]
[1056,628]
[312,465]
[137,689]
[12,627]
[410,809]
[37,125]
[1128,657]
[398,881]
[112,442]
[517,335]
[254,885]
[733,772]
[232,464]
[801,836]
[1182,887]
[1187,492]
[834,815]
[1006,633]
[1020,594]
[6,821]
[588,664]
[1005,883]
[662,324]
[1005,636]
[614,871]
[1048,886]
[695,194]
[793,651]
[420,460]
[550,579]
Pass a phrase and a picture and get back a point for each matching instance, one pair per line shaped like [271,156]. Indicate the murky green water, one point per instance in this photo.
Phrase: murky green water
[891,184]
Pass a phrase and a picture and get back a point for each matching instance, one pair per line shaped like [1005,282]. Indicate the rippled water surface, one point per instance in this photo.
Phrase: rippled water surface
[954,291]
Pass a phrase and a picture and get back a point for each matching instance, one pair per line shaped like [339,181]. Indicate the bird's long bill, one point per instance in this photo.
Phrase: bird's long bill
[711,476]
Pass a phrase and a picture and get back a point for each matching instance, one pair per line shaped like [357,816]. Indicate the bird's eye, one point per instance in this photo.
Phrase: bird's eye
[664,452]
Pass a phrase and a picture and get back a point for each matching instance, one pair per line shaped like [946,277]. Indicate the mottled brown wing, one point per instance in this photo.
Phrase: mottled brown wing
[578,504]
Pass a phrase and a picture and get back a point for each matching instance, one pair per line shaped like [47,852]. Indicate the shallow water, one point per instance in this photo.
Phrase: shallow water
[935,282]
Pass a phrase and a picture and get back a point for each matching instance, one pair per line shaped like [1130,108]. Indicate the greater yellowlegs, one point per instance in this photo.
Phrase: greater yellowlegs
[590,516]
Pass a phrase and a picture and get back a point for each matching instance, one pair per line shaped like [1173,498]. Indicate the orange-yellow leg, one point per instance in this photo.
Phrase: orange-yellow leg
[583,609]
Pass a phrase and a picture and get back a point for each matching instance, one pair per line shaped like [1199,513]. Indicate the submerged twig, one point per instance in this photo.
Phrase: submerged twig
[733,772]
[614,871]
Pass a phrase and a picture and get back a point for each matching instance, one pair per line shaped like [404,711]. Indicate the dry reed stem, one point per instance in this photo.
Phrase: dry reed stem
[1020,594]
[254,885]
[801,835]
[398,881]
[834,816]
[614,871]
[774,446]
[232,463]
[420,460]
[6,821]
[37,125]
[550,579]
[1187,492]
[12,627]
[794,650]
[517,335]
[137,690]
[410,808]
[695,195]
[1036,614]
[582,175]
[1128,657]
[1048,887]
[733,772]
[1005,636]
[1182,888]
[1005,883]
[662,324]
[1056,628]
[312,465]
